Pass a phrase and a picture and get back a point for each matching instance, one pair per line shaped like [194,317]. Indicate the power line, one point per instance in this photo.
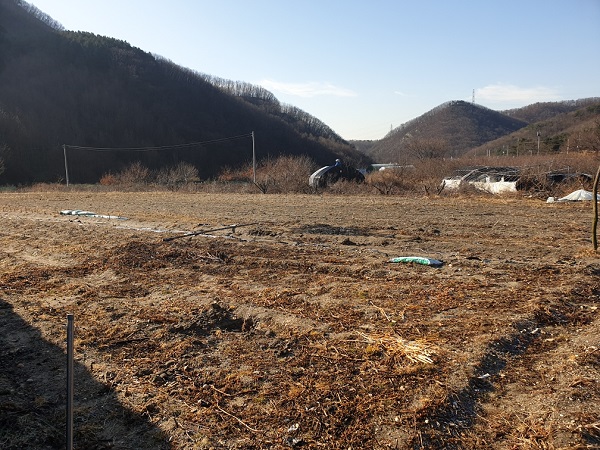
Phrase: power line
[164,147]
[151,149]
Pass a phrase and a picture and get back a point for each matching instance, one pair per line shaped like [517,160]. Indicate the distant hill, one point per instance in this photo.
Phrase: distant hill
[458,126]
[60,87]
[562,126]
[463,128]
[542,111]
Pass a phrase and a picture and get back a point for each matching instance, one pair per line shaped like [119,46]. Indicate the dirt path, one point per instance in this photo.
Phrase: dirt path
[293,330]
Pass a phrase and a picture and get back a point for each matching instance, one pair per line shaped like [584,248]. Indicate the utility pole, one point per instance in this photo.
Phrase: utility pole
[66,165]
[538,137]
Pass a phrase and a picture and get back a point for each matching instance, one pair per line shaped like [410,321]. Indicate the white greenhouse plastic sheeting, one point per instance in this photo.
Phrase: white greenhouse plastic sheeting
[496,187]
[313,180]
[493,187]
[577,196]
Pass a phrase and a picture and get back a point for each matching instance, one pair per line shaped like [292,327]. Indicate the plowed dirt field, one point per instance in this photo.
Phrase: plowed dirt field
[292,329]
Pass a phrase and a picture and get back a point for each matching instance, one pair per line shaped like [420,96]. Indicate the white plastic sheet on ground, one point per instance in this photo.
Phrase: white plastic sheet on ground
[577,196]
[80,212]
[417,260]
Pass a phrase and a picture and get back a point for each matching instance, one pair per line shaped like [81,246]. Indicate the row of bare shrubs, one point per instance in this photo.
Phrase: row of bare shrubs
[138,174]
[285,174]
[289,174]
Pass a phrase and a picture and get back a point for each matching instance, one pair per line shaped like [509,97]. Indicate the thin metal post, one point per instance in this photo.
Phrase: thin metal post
[69,381]
[253,160]
[66,165]
[595,209]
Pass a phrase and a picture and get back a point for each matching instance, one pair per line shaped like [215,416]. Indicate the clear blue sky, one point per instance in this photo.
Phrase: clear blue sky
[365,66]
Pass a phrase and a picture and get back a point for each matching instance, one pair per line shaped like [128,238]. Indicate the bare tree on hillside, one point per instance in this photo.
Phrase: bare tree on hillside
[427,148]
[40,15]
[590,138]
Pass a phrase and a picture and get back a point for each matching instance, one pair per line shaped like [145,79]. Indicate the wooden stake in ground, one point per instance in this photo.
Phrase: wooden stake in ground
[595,206]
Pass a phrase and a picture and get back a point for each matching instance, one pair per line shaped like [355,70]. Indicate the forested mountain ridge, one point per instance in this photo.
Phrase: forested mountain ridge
[458,128]
[60,87]
[541,111]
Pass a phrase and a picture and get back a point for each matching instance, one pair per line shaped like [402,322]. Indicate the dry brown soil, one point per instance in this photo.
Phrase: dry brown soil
[293,330]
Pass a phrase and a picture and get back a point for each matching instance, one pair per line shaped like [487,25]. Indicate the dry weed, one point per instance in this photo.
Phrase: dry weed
[397,349]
